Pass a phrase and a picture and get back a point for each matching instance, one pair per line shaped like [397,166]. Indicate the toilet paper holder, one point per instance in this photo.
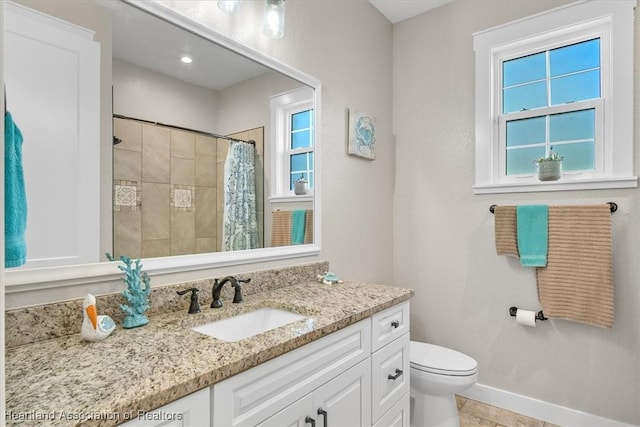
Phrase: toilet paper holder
[539,315]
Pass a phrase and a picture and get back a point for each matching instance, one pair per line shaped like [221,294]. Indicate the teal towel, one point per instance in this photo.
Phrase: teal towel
[15,199]
[298,219]
[533,234]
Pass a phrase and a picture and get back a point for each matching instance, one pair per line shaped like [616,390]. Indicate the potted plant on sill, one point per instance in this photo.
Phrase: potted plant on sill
[550,166]
[300,186]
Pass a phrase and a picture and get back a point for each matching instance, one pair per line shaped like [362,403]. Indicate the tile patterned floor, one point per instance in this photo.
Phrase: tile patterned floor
[476,414]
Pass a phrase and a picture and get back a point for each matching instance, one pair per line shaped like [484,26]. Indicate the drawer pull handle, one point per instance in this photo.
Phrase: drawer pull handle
[310,420]
[395,324]
[324,414]
[396,376]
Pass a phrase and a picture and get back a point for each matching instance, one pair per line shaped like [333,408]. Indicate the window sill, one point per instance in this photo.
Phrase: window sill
[561,185]
[291,198]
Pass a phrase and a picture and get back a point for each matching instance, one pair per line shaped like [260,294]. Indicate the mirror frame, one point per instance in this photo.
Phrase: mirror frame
[64,276]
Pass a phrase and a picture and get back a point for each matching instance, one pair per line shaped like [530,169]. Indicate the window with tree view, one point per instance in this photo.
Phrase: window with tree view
[552,99]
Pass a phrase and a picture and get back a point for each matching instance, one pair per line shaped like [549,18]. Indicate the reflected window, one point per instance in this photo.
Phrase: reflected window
[300,146]
[293,133]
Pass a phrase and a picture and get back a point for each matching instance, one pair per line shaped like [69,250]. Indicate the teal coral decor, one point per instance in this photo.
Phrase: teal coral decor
[137,293]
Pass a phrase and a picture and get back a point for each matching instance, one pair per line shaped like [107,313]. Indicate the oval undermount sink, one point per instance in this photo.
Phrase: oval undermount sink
[246,325]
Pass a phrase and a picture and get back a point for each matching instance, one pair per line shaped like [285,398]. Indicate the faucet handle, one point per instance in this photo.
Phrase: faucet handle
[194,307]
[237,297]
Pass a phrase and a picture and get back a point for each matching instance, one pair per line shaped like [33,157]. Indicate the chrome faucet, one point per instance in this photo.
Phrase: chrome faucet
[217,289]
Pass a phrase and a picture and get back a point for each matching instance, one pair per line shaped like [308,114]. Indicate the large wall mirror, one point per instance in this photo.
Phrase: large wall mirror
[150,136]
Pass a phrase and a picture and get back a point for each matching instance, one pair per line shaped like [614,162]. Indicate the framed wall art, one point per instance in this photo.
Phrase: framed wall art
[362,135]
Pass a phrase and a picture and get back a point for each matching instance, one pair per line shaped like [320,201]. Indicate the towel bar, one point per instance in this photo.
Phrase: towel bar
[539,315]
[612,205]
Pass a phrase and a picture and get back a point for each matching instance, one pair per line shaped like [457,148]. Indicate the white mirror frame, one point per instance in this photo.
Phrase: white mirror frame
[46,278]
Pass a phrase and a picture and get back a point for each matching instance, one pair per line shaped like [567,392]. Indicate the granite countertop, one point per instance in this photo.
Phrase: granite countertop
[68,381]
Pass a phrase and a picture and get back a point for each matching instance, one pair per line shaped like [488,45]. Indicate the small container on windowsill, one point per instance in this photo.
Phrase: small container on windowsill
[549,167]
[549,170]
[300,187]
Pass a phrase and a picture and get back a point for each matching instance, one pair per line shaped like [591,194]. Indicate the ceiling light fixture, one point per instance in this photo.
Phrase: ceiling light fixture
[186,59]
[229,6]
[274,18]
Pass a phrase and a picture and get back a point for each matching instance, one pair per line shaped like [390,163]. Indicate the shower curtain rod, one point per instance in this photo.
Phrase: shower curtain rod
[213,135]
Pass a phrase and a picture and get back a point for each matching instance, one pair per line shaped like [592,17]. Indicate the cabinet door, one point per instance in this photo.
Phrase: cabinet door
[295,415]
[398,416]
[345,400]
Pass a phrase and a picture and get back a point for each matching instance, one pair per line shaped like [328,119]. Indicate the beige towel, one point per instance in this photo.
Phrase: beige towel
[281,228]
[577,283]
[308,227]
[506,231]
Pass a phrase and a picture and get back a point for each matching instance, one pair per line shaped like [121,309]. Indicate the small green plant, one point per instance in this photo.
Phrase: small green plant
[552,156]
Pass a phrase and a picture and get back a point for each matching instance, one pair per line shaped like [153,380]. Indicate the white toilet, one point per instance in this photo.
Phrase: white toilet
[437,374]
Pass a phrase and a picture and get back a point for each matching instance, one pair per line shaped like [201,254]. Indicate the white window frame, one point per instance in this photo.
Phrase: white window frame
[283,106]
[612,22]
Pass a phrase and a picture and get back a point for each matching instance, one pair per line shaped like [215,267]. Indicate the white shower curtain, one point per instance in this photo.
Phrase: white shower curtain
[240,224]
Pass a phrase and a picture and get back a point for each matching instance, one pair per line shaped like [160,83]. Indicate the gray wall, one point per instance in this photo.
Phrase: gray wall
[443,234]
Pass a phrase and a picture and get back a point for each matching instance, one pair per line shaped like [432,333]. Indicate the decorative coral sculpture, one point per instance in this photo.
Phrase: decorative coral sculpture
[137,293]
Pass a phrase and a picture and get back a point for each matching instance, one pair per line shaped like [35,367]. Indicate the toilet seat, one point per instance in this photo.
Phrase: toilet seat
[440,360]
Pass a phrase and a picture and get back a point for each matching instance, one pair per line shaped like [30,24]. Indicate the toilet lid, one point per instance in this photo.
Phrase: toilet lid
[441,360]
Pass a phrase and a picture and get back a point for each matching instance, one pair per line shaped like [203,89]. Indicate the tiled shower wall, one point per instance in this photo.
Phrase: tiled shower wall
[167,200]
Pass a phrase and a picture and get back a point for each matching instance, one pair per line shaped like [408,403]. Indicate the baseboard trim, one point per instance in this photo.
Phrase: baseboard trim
[538,409]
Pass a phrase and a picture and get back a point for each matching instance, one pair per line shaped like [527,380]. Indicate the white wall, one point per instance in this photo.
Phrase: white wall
[443,234]
[147,95]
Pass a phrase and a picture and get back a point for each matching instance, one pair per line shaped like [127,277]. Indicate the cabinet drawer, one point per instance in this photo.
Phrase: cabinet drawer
[251,396]
[398,416]
[389,376]
[389,324]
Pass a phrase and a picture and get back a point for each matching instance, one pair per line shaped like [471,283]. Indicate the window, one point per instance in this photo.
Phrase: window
[300,147]
[556,87]
[293,148]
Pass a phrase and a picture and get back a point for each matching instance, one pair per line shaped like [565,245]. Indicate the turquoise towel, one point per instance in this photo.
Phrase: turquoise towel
[298,219]
[533,234]
[15,199]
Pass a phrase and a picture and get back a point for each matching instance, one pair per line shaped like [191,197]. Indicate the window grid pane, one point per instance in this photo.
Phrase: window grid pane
[571,74]
[572,135]
[301,148]
[301,167]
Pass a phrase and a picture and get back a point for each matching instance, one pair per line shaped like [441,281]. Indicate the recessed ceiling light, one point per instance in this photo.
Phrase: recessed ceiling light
[186,59]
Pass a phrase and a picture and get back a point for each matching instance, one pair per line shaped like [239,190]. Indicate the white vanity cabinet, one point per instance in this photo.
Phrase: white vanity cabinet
[326,374]
[357,376]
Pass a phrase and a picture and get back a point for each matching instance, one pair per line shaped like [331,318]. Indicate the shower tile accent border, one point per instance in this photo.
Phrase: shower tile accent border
[127,195]
[42,322]
[183,198]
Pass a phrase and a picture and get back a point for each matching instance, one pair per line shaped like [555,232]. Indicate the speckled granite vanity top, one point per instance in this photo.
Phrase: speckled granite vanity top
[141,369]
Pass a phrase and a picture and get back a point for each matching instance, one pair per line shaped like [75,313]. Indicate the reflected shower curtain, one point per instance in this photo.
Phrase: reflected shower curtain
[240,223]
